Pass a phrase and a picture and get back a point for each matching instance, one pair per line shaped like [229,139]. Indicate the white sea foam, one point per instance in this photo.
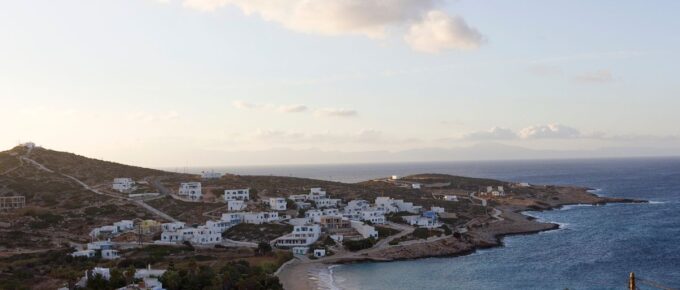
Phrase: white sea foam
[326,279]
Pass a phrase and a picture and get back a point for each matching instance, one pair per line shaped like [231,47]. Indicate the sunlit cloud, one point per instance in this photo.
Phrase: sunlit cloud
[438,31]
[336,112]
[428,29]
[292,108]
[495,133]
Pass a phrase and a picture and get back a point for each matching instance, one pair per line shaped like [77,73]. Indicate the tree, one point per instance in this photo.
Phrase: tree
[263,248]
[130,275]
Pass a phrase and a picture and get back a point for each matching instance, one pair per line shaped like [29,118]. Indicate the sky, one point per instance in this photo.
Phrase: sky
[238,82]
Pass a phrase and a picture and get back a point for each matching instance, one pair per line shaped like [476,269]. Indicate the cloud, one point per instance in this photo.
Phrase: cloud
[336,112]
[438,31]
[244,105]
[371,18]
[550,131]
[600,76]
[496,133]
[292,108]
[429,30]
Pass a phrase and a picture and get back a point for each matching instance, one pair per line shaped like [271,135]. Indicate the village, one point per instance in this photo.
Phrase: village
[321,224]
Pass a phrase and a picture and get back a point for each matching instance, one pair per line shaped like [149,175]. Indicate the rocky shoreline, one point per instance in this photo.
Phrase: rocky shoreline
[512,222]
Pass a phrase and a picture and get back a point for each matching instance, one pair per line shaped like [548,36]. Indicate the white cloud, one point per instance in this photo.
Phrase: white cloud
[371,18]
[550,131]
[292,108]
[244,105]
[438,31]
[600,76]
[429,30]
[336,112]
[496,133]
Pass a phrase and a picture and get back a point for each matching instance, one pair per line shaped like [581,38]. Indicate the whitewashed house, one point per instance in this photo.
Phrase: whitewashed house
[235,205]
[205,235]
[234,218]
[300,251]
[260,217]
[191,190]
[172,226]
[415,185]
[123,184]
[84,253]
[110,254]
[364,230]
[451,198]
[277,203]
[386,204]
[316,193]
[374,216]
[331,211]
[124,225]
[301,236]
[326,202]
[427,220]
[219,225]
[319,253]
[314,215]
[437,209]
[211,174]
[237,194]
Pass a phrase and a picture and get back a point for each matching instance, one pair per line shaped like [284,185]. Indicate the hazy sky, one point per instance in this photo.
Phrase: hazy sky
[148,82]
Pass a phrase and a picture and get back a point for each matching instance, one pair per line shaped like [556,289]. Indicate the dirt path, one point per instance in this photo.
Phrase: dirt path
[96,191]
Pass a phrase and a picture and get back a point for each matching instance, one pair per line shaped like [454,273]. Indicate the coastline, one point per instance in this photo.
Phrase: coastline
[514,222]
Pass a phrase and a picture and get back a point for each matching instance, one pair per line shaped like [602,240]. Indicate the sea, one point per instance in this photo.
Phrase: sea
[596,247]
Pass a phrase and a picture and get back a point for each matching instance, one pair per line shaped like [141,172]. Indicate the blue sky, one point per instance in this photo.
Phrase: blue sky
[120,79]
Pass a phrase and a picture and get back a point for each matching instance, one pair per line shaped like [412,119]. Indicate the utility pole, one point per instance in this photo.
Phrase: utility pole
[631,281]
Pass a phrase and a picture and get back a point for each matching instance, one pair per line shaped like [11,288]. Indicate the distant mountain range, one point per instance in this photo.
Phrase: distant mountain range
[481,151]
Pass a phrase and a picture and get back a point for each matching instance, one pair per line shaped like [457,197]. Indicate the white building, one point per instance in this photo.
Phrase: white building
[84,253]
[373,215]
[110,254]
[300,251]
[259,217]
[301,236]
[389,205]
[415,185]
[191,190]
[172,226]
[210,174]
[364,230]
[421,221]
[451,198]
[235,205]
[277,203]
[331,211]
[316,193]
[237,194]
[314,215]
[319,253]
[203,235]
[124,225]
[123,184]
[437,209]
[326,202]
[220,225]
[234,218]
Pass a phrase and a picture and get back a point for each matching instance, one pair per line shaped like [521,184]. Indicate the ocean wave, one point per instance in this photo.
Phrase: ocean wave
[326,278]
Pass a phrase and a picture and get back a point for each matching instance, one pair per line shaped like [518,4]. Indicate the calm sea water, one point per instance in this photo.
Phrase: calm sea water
[596,247]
